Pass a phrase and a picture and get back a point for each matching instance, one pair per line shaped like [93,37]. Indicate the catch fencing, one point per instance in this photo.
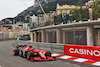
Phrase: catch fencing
[4,39]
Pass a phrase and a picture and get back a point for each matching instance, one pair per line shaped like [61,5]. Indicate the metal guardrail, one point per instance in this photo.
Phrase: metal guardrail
[53,47]
[7,39]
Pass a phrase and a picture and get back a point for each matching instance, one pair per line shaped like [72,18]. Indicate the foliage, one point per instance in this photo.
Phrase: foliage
[96,9]
[84,13]
[48,22]
[81,14]
[74,15]
[58,19]
[51,6]
[26,35]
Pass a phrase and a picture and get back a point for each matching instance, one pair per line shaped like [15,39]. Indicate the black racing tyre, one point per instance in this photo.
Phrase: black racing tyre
[16,52]
[29,55]
[21,54]
[48,53]
[25,55]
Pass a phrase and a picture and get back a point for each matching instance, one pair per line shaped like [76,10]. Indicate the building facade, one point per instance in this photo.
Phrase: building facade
[89,3]
[83,33]
[65,8]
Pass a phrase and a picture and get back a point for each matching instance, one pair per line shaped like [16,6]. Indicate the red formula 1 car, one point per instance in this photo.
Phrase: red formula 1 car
[33,54]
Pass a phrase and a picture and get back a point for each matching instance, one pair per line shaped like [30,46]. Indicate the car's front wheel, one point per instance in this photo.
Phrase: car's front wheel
[29,55]
[48,53]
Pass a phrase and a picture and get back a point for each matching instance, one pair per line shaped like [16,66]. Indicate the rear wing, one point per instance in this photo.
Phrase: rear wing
[20,46]
[23,46]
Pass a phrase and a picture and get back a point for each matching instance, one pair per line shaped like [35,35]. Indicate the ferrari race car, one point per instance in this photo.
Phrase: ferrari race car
[33,54]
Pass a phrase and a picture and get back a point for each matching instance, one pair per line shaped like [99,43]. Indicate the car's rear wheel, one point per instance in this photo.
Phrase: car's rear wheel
[25,54]
[21,54]
[16,52]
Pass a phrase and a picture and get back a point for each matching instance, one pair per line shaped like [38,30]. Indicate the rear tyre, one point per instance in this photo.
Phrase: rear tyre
[21,54]
[26,54]
[16,52]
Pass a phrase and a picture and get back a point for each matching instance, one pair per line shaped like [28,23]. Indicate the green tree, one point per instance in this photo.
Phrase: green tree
[48,22]
[58,19]
[96,9]
[75,14]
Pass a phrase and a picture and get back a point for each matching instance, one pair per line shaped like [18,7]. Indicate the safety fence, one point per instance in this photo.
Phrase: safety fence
[53,47]
[4,39]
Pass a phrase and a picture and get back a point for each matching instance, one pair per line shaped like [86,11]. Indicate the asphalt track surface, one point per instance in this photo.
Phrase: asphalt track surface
[8,60]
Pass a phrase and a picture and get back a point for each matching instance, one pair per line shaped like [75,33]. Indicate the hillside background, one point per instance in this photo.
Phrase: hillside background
[48,5]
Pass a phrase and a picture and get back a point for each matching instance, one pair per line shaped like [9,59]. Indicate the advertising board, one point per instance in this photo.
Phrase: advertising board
[89,52]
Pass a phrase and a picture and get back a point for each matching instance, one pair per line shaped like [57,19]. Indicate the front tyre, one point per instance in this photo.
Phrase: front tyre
[48,53]
[29,55]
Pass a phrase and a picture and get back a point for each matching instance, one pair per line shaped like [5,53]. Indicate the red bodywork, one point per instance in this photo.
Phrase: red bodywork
[27,48]
[41,54]
[39,59]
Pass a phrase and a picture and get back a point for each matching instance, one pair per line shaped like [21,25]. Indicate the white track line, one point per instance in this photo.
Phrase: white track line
[12,47]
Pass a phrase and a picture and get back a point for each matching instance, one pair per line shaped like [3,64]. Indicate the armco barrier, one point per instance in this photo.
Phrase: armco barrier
[53,47]
[8,39]
[89,52]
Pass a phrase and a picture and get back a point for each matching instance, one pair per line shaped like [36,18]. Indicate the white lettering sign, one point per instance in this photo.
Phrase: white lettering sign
[85,51]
